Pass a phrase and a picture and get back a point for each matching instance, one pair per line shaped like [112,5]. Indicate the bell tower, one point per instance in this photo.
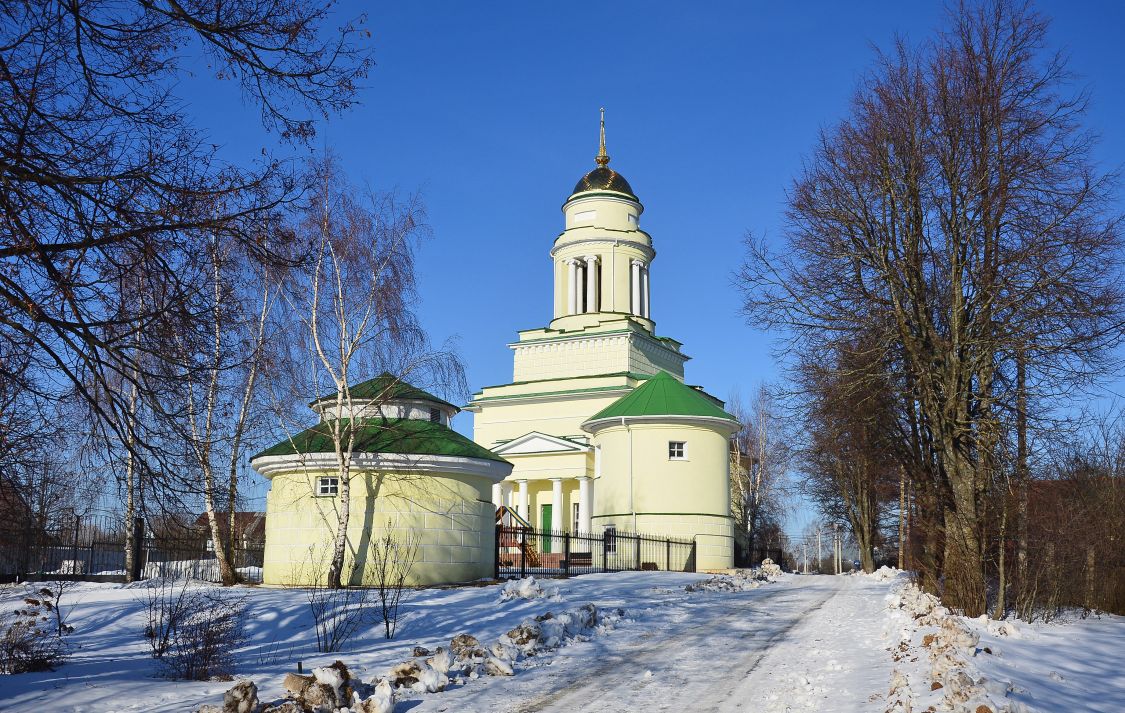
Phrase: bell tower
[602,257]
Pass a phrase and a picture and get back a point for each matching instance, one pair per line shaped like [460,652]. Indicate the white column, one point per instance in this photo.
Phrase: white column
[585,492]
[572,286]
[644,291]
[635,306]
[497,495]
[591,283]
[523,499]
[558,516]
[506,493]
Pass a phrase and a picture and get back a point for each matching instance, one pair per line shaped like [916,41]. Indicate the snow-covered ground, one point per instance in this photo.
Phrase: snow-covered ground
[803,643]
[947,662]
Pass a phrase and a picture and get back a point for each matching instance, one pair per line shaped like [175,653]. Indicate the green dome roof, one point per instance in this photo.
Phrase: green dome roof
[387,387]
[604,179]
[663,395]
[379,435]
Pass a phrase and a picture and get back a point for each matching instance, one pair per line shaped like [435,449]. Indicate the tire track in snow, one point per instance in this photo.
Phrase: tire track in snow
[697,659]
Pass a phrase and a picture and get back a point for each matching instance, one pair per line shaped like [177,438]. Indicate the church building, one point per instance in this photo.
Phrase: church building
[602,432]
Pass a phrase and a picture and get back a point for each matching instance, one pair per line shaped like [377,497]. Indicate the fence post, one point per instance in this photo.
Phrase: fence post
[523,552]
[667,555]
[496,536]
[138,538]
[638,557]
[605,552]
[566,555]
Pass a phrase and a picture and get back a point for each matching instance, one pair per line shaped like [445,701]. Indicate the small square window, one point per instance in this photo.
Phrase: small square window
[435,415]
[327,487]
[677,450]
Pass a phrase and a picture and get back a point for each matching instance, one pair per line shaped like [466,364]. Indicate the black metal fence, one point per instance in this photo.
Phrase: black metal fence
[524,551]
[93,549]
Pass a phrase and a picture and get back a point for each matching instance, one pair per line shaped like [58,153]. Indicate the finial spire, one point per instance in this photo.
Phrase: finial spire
[602,158]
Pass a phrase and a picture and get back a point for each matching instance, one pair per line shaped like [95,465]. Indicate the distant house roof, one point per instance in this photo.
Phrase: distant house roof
[387,387]
[251,525]
[663,395]
[380,435]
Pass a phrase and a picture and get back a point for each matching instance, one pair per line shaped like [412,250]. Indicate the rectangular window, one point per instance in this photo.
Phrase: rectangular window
[610,536]
[677,450]
[327,487]
[435,415]
[575,529]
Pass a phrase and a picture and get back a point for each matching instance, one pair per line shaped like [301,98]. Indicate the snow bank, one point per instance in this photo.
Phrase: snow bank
[770,569]
[332,689]
[526,588]
[935,659]
[885,574]
[738,581]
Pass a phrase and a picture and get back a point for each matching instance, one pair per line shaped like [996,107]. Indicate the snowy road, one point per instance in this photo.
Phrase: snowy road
[789,646]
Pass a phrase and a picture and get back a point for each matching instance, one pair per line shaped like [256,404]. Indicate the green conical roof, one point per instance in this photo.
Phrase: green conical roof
[378,435]
[663,395]
[388,387]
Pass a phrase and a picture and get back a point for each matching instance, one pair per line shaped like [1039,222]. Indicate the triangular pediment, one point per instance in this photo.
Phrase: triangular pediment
[536,442]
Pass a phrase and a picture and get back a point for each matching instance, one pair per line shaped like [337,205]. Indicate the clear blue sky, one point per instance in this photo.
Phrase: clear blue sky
[490,110]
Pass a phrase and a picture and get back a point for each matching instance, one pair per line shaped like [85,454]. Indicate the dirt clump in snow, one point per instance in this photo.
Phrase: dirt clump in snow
[496,666]
[404,675]
[525,637]
[295,684]
[462,643]
[241,698]
[420,651]
[382,700]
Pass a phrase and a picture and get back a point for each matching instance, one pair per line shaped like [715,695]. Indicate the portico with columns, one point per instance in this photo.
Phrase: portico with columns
[599,347]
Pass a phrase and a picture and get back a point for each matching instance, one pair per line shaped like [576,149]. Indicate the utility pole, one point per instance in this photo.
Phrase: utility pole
[819,552]
[839,550]
[836,548]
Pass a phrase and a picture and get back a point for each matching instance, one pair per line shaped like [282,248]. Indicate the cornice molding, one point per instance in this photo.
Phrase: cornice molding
[495,471]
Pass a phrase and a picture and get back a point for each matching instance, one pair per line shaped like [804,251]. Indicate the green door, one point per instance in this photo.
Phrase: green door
[545,526]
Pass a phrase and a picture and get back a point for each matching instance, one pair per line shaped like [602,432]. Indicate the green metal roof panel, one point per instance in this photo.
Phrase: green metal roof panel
[663,395]
[387,387]
[377,435]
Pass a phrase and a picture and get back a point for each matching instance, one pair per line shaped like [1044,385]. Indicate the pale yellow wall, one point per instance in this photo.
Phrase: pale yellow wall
[615,258]
[506,420]
[612,213]
[618,345]
[612,237]
[699,485]
[550,465]
[448,517]
[540,494]
[680,498]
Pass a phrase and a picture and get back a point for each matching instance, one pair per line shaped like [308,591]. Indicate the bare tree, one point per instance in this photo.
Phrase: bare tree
[849,463]
[355,309]
[220,387]
[110,189]
[958,209]
[760,458]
